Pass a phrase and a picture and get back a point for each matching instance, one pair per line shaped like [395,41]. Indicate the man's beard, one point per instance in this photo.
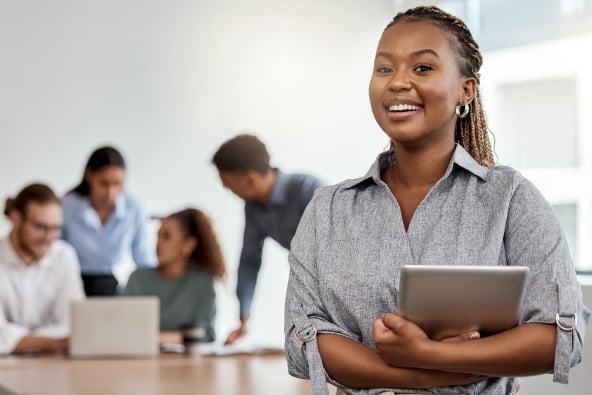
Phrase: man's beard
[26,248]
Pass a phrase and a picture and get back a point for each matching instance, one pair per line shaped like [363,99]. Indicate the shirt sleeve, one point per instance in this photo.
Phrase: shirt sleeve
[309,186]
[10,333]
[133,287]
[534,238]
[143,252]
[70,290]
[249,264]
[206,309]
[305,315]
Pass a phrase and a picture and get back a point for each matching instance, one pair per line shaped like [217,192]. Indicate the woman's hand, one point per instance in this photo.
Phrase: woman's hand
[402,343]
[398,341]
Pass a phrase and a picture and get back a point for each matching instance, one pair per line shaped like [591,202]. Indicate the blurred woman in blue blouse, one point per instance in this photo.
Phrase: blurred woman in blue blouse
[103,222]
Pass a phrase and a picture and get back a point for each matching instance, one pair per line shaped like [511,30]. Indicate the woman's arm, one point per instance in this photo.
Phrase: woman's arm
[524,350]
[170,337]
[357,366]
[205,311]
[143,251]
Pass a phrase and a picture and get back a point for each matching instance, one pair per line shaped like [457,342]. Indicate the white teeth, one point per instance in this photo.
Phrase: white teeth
[403,107]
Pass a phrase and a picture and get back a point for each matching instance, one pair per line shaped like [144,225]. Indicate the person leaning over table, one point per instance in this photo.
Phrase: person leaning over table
[189,261]
[39,275]
[436,196]
[274,203]
[103,222]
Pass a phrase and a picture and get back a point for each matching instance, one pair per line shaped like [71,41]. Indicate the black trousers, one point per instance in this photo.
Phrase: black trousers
[99,284]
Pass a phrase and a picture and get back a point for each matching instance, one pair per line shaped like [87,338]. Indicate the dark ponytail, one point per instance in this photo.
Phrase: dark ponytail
[100,158]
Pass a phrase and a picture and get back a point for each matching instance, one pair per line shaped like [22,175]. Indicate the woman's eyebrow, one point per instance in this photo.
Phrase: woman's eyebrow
[414,54]
[425,51]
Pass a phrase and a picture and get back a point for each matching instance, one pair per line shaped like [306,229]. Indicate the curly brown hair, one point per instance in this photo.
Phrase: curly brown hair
[208,254]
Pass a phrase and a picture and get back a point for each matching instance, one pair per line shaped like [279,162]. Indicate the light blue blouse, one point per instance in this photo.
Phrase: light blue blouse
[100,247]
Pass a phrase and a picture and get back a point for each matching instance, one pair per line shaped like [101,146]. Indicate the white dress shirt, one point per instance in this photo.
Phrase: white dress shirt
[35,299]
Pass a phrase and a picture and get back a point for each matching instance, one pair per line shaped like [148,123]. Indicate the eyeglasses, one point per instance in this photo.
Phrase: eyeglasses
[44,228]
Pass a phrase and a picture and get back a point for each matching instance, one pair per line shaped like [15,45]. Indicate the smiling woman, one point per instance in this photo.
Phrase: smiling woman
[436,197]
[431,70]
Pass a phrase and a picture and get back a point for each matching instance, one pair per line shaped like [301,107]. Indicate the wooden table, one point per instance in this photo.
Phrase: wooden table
[164,374]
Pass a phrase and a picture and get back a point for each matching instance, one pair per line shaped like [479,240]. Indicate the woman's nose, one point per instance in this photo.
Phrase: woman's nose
[400,80]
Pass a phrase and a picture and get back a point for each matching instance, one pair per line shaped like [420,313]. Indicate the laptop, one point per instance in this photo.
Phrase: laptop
[448,300]
[115,327]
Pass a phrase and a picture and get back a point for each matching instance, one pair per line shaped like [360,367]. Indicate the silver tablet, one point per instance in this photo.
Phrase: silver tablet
[448,300]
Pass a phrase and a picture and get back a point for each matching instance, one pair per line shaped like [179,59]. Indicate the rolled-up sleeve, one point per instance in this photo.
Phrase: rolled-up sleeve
[534,238]
[70,290]
[304,312]
[10,334]
[249,263]
[143,250]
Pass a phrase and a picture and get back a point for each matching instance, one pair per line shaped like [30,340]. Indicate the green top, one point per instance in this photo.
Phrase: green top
[186,302]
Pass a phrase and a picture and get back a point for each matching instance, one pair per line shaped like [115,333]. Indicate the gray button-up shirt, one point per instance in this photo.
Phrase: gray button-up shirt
[351,243]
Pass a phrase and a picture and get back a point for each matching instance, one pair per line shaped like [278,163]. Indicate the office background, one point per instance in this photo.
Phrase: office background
[168,81]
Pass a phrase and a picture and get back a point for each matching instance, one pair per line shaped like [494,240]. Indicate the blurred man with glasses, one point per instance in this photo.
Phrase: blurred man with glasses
[39,275]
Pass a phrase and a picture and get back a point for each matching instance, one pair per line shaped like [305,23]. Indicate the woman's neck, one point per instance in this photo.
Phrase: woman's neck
[413,175]
[174,269]
[104,212]
[419,168]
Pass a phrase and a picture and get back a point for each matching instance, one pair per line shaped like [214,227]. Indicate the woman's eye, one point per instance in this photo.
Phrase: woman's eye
[384,69]
[422,68]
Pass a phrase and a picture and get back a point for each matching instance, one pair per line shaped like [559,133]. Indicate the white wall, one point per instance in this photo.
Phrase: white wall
[566,132]
[168,81]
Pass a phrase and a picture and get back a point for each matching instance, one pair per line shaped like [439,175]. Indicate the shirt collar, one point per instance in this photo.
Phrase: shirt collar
[120,206]
[8,255]
[90,215]
[386,159]
[279,193]
[463,159]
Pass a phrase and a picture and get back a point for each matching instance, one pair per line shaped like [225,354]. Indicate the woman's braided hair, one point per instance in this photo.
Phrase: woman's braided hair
[472,131]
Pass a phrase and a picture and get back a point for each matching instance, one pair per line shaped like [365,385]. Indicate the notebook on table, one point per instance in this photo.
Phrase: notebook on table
[115,327]
[448,300]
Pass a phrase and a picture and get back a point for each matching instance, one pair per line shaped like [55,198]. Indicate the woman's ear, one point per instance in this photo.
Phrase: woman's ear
[190,245]
[469,89]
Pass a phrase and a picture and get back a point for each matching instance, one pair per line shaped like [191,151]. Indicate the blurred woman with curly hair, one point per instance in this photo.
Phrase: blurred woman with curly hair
[189,262]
